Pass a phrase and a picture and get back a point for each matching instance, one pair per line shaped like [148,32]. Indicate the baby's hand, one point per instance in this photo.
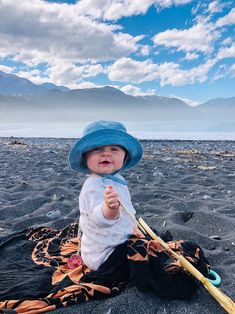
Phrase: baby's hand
[111,198]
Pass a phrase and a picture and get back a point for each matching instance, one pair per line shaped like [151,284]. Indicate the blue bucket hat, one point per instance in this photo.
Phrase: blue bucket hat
[104,133]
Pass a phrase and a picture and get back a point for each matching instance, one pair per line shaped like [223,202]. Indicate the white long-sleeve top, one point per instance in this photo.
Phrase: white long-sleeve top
[100,235]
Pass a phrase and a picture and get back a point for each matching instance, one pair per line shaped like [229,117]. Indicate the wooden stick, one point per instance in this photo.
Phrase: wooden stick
[224,300]
[132,216]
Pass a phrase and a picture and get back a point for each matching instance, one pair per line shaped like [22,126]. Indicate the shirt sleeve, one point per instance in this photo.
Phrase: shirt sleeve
[91,202]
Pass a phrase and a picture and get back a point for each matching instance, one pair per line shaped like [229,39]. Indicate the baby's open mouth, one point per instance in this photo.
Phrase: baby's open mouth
[105,162]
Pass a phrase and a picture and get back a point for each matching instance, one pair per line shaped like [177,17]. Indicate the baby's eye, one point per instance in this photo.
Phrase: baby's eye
[115,149]
[97,149]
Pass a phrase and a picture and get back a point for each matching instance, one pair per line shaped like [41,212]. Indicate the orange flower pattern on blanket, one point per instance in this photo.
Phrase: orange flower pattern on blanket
[67,287]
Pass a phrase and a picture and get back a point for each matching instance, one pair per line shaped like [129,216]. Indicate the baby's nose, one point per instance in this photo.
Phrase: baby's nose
[106,152]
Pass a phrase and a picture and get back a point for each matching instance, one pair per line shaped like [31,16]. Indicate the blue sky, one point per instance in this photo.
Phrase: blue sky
[176,48]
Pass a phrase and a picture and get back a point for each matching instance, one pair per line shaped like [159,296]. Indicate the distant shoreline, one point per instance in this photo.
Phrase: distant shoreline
[48,139]
[144,130]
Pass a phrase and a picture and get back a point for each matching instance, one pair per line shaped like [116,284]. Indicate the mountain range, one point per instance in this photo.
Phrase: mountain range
[22,100]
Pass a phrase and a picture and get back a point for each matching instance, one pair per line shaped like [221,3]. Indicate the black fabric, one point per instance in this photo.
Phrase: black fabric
[18,271]
[149,272]
[176,284]
[163,274]
[34,274]
[173,286]
[35,277]
[113,271]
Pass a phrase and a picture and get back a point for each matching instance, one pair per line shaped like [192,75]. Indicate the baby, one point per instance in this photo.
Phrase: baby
[104,150]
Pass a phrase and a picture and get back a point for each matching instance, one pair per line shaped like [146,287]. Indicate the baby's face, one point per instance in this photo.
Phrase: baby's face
[105,159]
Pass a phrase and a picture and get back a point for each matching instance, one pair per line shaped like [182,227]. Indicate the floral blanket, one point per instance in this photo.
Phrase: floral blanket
[36,274]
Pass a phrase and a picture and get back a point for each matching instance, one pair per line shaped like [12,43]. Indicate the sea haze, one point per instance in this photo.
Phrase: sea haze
[48,110]
[174,130]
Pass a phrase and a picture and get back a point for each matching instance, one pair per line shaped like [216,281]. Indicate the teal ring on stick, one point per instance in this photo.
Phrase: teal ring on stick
[216,280]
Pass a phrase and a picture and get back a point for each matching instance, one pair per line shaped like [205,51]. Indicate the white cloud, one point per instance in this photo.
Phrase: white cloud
[113,9]
[126,43]
[228,19]
[36,31]
[214,7]
[69,41]
[191,56]
[85,85]
[221,72]
[168,73]
[198,7]
[198,38]
[233,70]
[137,91]
[7,69]
[171,74]
[34,76]
[68,74]
[188,101]
[169,3]
[211,7]
[63,73]
[116,9]
[226,52]
[144,50]
[128,70]
[226,41]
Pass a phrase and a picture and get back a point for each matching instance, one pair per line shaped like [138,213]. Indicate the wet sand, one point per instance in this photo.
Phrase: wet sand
[187,187]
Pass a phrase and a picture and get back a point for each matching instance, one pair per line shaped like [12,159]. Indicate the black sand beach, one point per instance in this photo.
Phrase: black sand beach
[187,187]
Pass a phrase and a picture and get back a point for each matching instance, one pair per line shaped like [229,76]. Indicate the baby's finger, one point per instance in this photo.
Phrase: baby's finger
[114,205]
[112,195]
[112,200]
[109,189]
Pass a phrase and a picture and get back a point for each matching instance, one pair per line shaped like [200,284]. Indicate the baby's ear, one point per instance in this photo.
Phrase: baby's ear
[126,157]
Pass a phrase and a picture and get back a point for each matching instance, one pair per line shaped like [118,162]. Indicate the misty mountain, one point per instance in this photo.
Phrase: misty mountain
[11,84]
[94,103]
[217,104]
[218,108]
[21,100]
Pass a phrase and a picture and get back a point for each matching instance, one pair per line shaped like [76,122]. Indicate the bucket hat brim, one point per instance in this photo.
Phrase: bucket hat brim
[104,137]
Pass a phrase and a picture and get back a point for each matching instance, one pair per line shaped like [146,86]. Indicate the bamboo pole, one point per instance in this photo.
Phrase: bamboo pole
[223,299]
[132,217]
